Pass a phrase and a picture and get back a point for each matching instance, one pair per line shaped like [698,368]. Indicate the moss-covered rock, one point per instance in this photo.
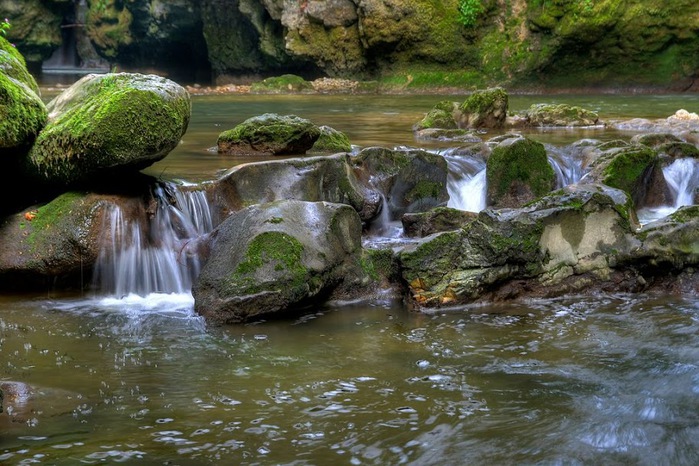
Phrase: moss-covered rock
[282,84]
[419,225]
[517,172]
[560,115]
[485,108]
[276,257]
[331,140]
[634,169]
[269,134]
[108,123]
[440,116]
[53,243]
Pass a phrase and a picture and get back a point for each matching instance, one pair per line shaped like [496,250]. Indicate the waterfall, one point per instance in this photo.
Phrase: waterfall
[566,166]
[156,255]
[466,183]
[682,178]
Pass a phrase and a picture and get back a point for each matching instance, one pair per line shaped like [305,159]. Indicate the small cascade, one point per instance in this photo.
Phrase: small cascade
[384,225]
[682,178]
[566,166]
[466,183]
[158,255]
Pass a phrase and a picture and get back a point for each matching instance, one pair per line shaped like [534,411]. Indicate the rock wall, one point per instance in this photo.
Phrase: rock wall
[515,42]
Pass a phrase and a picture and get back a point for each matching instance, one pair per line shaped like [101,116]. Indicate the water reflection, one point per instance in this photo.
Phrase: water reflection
[606,380]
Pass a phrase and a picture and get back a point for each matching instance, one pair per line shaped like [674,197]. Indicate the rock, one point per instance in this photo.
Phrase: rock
[269,134]
[331,140]
[411,180]
[323,178]
[517,172]
[419,225]
[272,258]
[558,244]
[441,116]
[281,84]
[106,124]
[635,169]
[484,109]
[560,115]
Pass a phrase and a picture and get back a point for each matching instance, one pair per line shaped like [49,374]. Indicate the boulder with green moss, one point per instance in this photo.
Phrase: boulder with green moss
[269,134]
[282,84]
[109,123]
[517,172]
[22,112]
[486,108]
[568,241]
[331,140]
[560,115]
[52,244]
[635,169]
[440,116]
[274,258]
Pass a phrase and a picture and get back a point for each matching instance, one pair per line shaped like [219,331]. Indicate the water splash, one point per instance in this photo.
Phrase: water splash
[158,255]
[567,167]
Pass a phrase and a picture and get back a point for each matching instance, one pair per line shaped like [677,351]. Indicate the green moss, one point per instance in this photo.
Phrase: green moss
[625,170]
[484,100]
[425,189]
[281,84]
[523,160]
[48,217]
[272,249]
[331,140]
[437,118]
[22,113]
[114,121]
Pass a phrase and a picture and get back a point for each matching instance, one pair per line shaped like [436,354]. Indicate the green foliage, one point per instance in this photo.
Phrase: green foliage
[469,11]
[4,26]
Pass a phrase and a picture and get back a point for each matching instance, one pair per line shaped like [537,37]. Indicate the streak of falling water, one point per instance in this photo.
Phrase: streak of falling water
[157,255]
[682,178]
[466,183]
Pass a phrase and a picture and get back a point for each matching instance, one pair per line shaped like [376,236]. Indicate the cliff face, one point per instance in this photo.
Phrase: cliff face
[515,42]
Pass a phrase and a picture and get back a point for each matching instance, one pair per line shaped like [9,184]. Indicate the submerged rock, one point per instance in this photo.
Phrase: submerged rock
[560,115]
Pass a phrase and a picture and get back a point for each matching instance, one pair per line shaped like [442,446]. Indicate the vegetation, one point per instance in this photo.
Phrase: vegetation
[469,12]
[4,26]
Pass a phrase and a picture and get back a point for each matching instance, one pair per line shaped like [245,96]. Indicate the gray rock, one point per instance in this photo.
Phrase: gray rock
[276,257]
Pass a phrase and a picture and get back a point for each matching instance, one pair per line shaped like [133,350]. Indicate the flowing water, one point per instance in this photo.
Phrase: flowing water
[133,376]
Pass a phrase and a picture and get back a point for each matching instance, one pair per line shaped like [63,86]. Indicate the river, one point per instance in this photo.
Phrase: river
[608,379]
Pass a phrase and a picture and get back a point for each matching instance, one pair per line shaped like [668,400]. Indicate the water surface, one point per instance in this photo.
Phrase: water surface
[142,380]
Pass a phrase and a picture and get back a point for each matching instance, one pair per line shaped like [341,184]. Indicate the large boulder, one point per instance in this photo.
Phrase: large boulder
[270,258]
[269,134]
[517,172]
[51,244]
[570,240]
[109,123]
[331,140]
[410,180]
[322,178]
